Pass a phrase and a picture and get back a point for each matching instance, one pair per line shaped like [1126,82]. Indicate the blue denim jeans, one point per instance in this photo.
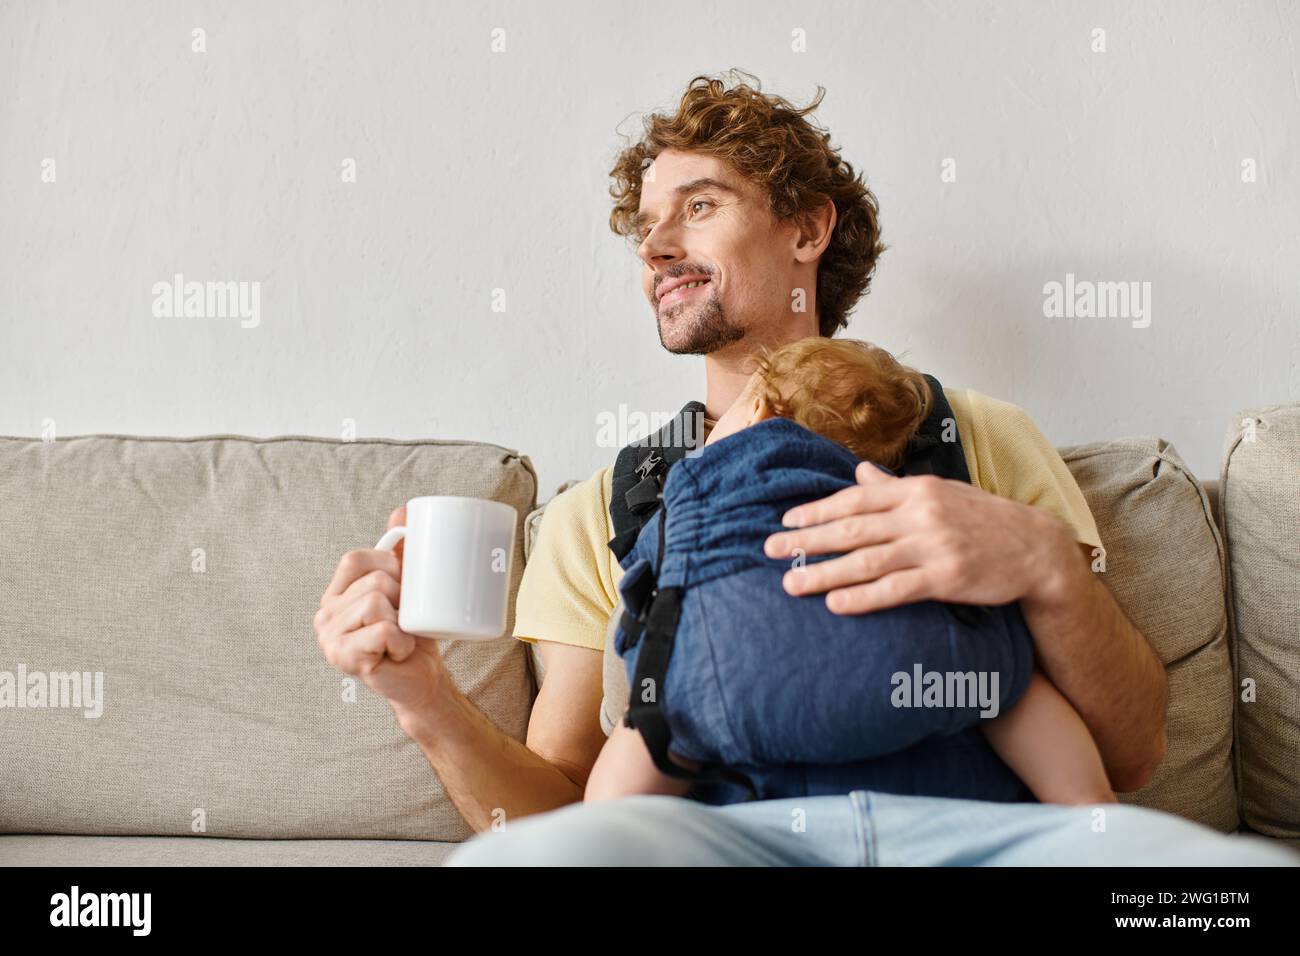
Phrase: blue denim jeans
[861,828]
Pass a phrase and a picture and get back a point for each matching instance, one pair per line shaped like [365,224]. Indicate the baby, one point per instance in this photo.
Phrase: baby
[800,700]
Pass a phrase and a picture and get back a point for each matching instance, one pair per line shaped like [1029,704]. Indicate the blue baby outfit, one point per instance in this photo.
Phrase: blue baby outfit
[800,700]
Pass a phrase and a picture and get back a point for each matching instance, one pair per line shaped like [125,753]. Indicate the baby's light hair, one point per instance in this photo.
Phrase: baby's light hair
[849,391]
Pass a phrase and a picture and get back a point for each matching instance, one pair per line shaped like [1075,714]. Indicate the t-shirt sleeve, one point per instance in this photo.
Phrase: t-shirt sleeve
[567,593]
[1014,459]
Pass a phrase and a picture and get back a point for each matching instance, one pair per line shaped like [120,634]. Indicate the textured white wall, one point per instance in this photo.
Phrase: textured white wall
[479,170]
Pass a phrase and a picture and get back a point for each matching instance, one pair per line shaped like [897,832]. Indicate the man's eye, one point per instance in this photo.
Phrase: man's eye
[645,230]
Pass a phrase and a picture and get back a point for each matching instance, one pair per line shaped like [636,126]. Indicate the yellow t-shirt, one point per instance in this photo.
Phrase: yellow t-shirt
[570,583]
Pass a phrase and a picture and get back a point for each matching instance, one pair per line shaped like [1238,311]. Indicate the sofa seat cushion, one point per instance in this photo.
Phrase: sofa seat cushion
[74,851]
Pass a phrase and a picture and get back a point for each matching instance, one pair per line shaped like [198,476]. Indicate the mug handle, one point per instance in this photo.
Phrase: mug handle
[389,541]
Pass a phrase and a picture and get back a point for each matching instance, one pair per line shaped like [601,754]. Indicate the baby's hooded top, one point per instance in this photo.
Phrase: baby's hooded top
[801,700]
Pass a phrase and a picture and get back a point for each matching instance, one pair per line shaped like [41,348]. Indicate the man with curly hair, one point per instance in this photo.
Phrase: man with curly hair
[753,231]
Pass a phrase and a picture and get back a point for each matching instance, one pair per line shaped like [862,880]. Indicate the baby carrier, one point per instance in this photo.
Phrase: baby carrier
[938,751]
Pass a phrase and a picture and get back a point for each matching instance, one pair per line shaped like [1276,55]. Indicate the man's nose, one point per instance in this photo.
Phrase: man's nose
[660,247]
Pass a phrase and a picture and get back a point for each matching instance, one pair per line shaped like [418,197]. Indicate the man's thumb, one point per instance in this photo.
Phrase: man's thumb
[869,473]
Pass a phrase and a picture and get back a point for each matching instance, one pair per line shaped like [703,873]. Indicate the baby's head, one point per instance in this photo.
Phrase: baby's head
[843,389]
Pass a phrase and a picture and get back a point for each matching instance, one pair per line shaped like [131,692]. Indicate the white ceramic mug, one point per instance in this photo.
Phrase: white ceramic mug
[455,566]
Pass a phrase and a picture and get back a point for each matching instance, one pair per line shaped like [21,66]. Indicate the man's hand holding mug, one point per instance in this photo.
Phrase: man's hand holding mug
[442,570]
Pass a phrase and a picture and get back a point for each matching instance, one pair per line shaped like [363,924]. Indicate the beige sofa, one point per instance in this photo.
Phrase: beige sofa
[186,573]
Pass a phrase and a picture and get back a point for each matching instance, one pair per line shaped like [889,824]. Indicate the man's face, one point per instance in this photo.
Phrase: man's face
[700,221]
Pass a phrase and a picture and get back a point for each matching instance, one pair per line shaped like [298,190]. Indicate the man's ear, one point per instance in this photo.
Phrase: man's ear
[815,229]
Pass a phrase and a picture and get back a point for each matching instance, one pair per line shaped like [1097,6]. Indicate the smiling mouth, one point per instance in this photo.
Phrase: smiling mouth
[681,293]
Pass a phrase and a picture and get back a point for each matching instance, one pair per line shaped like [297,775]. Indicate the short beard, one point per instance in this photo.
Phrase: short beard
[707,332]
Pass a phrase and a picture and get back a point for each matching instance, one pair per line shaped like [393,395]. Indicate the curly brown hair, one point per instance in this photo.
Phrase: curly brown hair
[771,143]
[849,391]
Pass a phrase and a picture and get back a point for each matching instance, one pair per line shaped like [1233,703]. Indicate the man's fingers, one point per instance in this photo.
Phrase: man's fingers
[387,638]
[357,564]
[839,535]
[369,608]
[857,567]
[869,473]
[364,649]
[378,580]
[899,587]
[855,499]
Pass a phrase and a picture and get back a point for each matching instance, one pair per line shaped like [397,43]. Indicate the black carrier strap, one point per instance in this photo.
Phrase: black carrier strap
[639,475]
[655,629]
[640,472]
[935,449]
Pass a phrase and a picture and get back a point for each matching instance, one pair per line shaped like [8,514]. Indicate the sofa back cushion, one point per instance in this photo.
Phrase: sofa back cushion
[1164,564]
[1259,507]
[186,572]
